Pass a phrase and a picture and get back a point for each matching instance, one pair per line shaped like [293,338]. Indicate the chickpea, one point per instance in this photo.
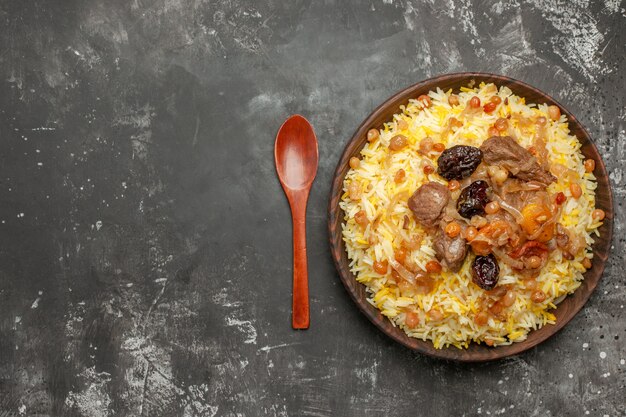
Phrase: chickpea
[433,267]
[361,218]
[532,262]
[426,145]
[402,124]
[452,229]
[454,185]
[575,189]
[425,101]
[492,207]
[501,124]
[541,121]
[474,102]
[481,318]
[590,165]
[354,162]
[453,100]
[598,214]
[439,147]
[470,233]
[372,135]
[587,263]
[398,142]
[381,267]
[497,174]
[400,176]
[554,112]
[538,296]
[501,176]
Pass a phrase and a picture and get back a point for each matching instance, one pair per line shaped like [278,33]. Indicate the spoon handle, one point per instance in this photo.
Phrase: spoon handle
[300,301]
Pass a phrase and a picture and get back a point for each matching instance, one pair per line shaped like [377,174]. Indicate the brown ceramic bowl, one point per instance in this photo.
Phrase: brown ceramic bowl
[566,309]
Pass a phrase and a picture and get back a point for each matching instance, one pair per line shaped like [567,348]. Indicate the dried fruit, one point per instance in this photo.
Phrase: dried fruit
[398,142]
[425,101]
[411,320]
[381,267]
[433,266]
[474,102]
[598,215]
[485,271]
[473,199]
[458,162]
[554,112]
[453,100]
[372,135]
[439,147]
[560,198]
[361,218]
[538,296]
[502,124]
[489,107]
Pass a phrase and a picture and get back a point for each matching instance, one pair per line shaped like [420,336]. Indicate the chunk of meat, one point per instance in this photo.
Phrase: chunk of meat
[507,153]
[450,251]
[428,202]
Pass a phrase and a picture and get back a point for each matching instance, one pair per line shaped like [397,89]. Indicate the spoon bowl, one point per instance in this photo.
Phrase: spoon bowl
[296,153]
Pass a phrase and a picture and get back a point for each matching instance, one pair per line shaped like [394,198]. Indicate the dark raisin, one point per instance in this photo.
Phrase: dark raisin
[473,199]
[458,162]
[485,271]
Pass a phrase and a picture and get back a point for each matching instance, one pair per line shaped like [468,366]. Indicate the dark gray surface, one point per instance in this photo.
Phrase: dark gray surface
[145,241]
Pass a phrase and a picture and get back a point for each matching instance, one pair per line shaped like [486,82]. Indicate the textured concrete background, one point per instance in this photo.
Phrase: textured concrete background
[145,241]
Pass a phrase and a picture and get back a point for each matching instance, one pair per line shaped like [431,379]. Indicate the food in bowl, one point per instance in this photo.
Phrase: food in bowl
[470,215]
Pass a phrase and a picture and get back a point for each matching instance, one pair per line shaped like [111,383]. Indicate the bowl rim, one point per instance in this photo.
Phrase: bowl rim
[480,353]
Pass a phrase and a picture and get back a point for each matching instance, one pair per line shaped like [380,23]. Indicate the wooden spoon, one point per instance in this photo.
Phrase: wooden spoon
[296,157]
